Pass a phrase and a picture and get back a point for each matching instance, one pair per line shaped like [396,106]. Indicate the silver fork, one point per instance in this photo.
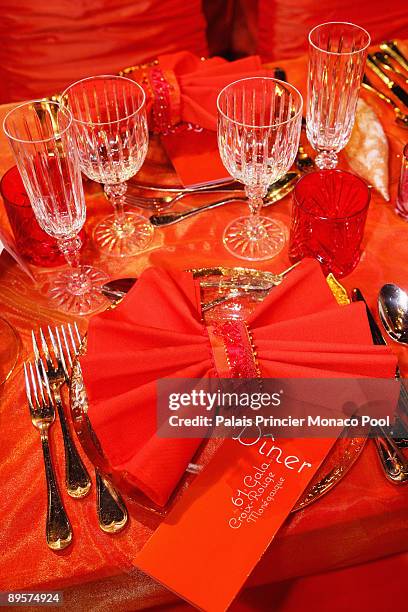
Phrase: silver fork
[111,509]
[58,528]
[77,480]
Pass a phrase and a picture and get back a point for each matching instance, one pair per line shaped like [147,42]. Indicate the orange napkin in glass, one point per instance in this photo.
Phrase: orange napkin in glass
[157,332]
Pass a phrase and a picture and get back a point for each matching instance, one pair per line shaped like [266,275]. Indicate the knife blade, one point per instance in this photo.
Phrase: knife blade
[397,90]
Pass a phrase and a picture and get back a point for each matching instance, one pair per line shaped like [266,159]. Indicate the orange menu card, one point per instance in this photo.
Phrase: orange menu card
[207,546]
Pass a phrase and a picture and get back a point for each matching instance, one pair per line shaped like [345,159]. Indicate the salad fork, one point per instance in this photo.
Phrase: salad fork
[77,479]
[58,528]
[111,509]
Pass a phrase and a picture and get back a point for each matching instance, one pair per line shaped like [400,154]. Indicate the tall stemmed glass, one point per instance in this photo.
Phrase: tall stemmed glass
[259,121]
[40,135]
[337,55]
[112,138]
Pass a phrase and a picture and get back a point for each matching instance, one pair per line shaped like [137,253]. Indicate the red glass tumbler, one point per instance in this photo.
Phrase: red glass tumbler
[328,218]
[33,244]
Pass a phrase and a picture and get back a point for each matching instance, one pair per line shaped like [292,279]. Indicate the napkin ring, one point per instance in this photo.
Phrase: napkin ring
[239,354]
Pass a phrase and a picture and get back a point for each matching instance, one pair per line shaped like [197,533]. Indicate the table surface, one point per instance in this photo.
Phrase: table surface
[363,518]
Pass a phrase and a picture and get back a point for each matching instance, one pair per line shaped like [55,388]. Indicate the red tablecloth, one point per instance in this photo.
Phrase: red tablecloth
[363,518]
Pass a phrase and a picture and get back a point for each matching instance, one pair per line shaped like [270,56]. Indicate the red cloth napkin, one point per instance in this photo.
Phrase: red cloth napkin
[157,331]
[193,84]
[181,92]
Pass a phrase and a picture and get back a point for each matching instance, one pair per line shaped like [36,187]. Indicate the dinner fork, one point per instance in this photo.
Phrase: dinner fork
[111,509]
[77,480]
[58,528]
[139,201]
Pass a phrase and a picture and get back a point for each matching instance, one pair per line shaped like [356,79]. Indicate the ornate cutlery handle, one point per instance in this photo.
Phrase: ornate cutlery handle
[112,513]
[371,63]
[169,219]
[394,463]
[77,479]
[58,527]
[391,47]
[379,94]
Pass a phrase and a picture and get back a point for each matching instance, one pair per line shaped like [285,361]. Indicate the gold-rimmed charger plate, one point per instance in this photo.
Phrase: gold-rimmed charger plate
[340,459]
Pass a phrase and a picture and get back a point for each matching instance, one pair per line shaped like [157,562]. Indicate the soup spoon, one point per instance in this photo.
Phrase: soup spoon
[393,311]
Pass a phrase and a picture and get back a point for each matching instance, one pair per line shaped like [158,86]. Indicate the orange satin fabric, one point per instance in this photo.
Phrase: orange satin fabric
[363,518]
[284,25]
[48,45]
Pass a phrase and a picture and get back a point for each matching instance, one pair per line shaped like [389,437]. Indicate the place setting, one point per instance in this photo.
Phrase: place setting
[247,252]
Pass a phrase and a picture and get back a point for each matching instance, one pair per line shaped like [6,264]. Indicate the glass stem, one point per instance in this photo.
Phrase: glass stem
[115,194]
[255,195]
[70,248]
[326,160]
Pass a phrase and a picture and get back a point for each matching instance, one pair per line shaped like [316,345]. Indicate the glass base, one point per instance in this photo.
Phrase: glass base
[80,298]
[9,349]
[255,241]
[123,240]
[326,160]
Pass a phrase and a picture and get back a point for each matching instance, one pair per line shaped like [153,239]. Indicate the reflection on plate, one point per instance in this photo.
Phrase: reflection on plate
[340,459]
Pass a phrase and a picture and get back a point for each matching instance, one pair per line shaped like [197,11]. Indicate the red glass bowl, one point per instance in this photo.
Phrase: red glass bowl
[328,219]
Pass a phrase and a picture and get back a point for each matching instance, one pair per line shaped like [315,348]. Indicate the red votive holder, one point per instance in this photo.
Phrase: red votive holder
[33,244]
[402,197]
[328,218]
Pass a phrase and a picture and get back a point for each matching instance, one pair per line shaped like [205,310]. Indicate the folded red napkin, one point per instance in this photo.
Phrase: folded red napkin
[181,97]
[157,332]
[183,88]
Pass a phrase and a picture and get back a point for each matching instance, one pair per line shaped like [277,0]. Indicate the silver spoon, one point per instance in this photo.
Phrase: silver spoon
[393,310]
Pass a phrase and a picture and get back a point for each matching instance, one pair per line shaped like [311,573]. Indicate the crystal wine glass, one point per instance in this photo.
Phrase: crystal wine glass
[112,137]
[40,135]
[259,121]
[337,55]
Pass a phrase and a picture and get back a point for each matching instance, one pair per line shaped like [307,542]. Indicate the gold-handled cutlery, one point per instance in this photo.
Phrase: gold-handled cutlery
[401,118]
[391,47]
[303,162]
[386,64]
[179,190]
[276,192]
[42,409]
[160,202]
[247,282]
[77,480]
[111,509]
[395,89]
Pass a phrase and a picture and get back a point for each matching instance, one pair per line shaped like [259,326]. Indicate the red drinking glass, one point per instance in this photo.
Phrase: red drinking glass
[33,244]
[328,218]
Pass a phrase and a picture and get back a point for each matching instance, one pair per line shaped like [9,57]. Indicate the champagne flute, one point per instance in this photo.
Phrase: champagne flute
[259,122]
[337,55]
[110,124]
[40,135]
